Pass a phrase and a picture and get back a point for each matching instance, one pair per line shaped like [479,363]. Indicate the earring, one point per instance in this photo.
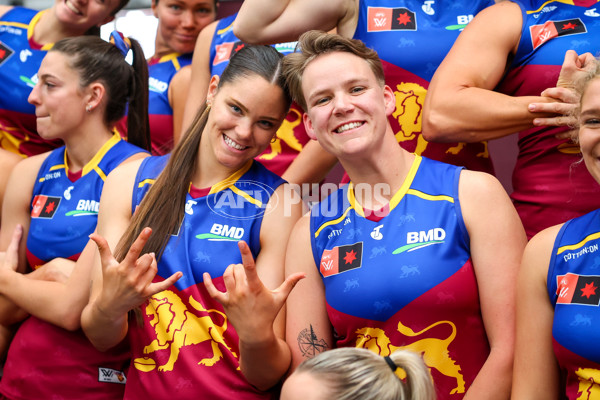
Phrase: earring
[88,108]
[274,138]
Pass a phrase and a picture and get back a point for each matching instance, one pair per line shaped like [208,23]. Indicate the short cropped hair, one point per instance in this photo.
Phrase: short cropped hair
[315,43]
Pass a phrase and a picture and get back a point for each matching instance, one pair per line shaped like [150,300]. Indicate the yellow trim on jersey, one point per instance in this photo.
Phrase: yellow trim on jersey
[231,179]
[31,27]
[146,182]
[173,58]
[430,197]
[15,24]
[397,196]
[570,2]
[593,236]
[92,165]
[246,196]
[223,30]
[333,222]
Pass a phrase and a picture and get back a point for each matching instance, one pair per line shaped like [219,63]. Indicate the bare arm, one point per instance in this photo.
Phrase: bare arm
[536,373]
[178,94]
[311,165]
[199,77]
[4,10]
[461,104]
[308,330]
[264,354]
[278,21]
[118,287]
[497,243]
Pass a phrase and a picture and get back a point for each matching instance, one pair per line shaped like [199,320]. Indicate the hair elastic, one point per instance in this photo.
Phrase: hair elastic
[121,42]
[391,363]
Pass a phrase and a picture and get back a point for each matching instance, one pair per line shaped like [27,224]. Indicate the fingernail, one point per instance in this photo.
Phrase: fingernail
[536,121]
[531,107]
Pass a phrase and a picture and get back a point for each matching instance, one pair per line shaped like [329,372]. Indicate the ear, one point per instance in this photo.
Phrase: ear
[389,100]
[308,126]
[212,88]
[95,93]
[154,5]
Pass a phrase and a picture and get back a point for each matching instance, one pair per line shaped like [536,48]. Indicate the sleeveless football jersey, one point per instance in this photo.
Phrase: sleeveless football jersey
[20,59]
[412,37]
[45,360]
[186,348]
[573,286]
[550,186]
[291,136]
[160,72]
[405,280]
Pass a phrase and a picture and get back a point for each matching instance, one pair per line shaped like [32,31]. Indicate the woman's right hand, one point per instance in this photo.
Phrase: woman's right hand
[129,283]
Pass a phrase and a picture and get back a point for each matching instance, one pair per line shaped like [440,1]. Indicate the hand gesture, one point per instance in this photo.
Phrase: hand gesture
[249,305]
[128,284]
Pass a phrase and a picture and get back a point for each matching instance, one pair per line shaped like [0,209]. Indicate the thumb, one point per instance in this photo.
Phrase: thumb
[284,290]
[106,255]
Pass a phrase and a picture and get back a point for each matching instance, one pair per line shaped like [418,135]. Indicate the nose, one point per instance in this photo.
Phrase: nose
[187,19]
[342,104]
[243,129]
[34,97]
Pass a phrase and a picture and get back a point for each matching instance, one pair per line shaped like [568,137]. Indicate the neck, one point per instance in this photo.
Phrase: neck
[382,172]
[50,30]
[83,145]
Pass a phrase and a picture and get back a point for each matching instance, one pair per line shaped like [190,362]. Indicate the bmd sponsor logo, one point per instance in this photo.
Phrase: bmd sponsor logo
[419,239]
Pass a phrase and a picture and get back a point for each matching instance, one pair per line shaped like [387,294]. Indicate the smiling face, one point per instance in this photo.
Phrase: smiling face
[77,16]
[346,107]
[589,128]
[180,22]
[58,99]
[245,114]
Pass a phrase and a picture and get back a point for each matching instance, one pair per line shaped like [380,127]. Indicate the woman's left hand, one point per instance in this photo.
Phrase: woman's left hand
[249,305]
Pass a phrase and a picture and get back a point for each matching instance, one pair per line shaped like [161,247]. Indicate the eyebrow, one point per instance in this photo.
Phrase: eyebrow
[590,111]
[245,110]
[348,82]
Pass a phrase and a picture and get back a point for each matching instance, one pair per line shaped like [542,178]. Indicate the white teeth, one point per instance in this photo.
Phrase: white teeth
[233,144]
[348,126]
[72,7]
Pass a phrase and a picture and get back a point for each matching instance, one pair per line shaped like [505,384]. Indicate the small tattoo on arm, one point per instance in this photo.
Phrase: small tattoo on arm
[310,345]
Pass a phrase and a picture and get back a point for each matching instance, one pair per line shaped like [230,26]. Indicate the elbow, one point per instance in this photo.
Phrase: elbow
[244,34]
[445,126]
[71,321]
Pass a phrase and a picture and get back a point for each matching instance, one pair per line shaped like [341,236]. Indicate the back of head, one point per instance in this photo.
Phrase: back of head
[359,374]
[315,43]
[96,60]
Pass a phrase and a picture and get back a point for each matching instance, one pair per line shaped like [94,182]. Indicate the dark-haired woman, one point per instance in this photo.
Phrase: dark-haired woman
[194,213]
[52,201]
[25,37]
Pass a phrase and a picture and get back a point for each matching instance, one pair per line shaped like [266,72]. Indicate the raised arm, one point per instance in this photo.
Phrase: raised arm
[278,21]
[260,290]
[308,330]
[497,242]
[461,104]
[199,78]
[178,95]
[536,373]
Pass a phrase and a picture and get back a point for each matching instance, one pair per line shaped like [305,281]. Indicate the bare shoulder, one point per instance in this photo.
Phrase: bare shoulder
[30,166]
[4,10]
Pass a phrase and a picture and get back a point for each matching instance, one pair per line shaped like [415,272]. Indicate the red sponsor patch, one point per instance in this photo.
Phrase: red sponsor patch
[540,34]
[578,289]
[341,259]
[44,206]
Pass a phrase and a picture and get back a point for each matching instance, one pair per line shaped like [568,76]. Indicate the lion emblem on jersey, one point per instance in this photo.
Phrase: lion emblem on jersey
[177,327]
[589,383]
[410,98]
[433,350]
